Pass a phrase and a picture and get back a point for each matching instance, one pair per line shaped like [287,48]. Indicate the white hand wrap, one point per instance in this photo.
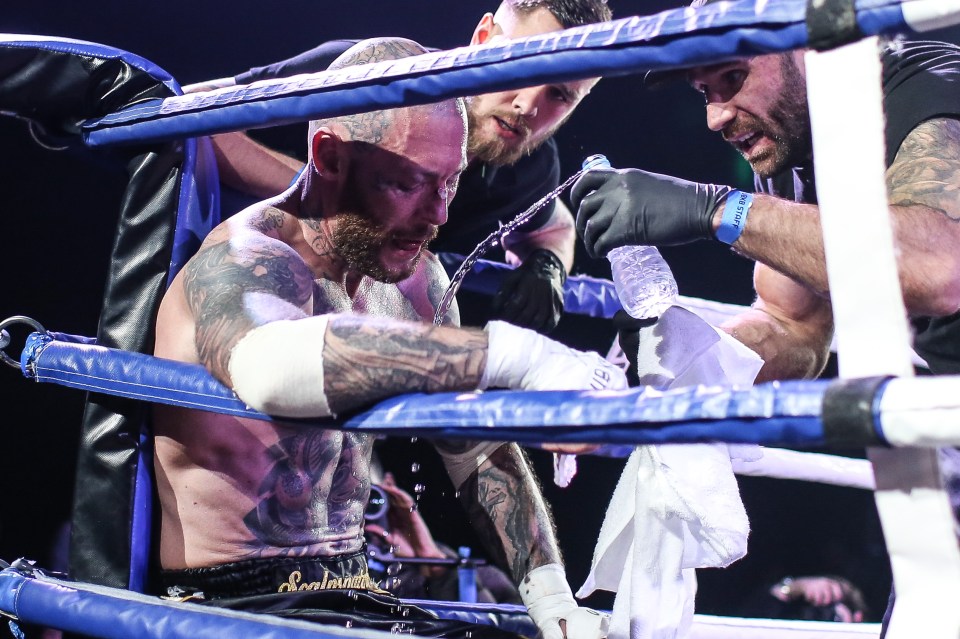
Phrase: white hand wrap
[277,368]
[519,358]
[460,465]
[547,596]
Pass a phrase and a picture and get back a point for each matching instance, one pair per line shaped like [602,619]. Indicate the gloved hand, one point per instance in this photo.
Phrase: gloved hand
[549,602]
[628,334]
[522,359]
[629,206]
[531,295]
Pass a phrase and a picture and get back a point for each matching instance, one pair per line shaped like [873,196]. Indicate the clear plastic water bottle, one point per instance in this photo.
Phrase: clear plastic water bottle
[644,282]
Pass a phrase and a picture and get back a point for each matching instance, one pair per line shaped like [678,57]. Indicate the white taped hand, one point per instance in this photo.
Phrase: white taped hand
[547,596]
[521,359]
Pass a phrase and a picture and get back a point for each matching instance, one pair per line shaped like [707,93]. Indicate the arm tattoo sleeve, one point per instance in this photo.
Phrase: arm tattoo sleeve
[372,358]
[926,171]
[231,289]
[507,509]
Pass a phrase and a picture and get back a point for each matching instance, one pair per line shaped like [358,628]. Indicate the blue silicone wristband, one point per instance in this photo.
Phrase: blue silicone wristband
[734,216]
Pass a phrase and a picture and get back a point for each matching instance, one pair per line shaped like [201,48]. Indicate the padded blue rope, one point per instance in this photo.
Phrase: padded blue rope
[679,37]
[111,613]
[784,413]
[582,294]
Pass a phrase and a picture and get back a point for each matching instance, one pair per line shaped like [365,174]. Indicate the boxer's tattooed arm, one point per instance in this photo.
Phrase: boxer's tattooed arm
[926,171]
[234,286]
[367,359]
[507,509]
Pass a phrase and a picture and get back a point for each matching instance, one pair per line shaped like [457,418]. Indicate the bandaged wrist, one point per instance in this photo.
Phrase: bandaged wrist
[277,368]
[734,216]
[546,593]
[547,596]
[461,465]
[510,350]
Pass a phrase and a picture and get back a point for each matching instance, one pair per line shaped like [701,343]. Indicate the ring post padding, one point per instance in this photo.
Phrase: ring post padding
[849,412]
[844,91]
[671,39]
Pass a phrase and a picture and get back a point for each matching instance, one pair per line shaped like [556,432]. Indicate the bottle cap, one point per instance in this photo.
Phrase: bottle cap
[598,161]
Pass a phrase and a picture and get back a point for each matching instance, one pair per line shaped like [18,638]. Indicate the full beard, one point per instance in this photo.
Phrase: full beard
[788,126]
[360,241]
[495,150]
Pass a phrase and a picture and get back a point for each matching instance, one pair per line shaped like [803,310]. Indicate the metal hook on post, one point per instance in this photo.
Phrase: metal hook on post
[5,336]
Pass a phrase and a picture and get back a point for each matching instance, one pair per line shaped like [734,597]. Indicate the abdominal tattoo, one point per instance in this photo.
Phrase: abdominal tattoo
[312,491]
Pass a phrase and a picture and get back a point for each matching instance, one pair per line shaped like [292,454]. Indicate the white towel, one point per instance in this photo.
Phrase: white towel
[677,507]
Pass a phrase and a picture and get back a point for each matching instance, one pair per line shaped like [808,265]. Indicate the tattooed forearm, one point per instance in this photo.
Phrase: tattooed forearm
[926,171]
[508,512]
[218,282]
[375,358]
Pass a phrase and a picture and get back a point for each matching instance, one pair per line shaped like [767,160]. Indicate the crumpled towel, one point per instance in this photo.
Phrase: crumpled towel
[677,507]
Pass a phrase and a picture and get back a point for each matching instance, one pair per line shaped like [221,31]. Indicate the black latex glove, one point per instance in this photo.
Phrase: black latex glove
[629,206]
[531,295]
[628,334]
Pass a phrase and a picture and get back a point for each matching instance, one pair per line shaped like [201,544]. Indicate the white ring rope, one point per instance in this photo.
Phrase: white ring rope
[710,627]
[815,467]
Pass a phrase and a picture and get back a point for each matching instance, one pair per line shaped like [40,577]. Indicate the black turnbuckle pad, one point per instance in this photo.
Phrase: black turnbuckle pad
[5,338]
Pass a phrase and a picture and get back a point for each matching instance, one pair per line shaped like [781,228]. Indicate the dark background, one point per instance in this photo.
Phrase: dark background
[58,210]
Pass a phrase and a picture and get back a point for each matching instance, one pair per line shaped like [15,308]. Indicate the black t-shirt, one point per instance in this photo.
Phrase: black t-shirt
[487,195]
[921,81]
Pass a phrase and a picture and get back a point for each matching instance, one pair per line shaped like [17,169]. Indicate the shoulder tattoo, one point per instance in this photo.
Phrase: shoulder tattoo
[216,282]
[926,171]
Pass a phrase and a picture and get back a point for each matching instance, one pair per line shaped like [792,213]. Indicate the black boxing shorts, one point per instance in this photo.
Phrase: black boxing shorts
[271,575]
[327,590]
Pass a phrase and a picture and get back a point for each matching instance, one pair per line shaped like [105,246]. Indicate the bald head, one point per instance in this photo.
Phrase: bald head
[387,128]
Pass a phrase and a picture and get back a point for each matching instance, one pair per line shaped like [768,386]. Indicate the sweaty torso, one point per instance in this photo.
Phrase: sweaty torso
[232,489]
